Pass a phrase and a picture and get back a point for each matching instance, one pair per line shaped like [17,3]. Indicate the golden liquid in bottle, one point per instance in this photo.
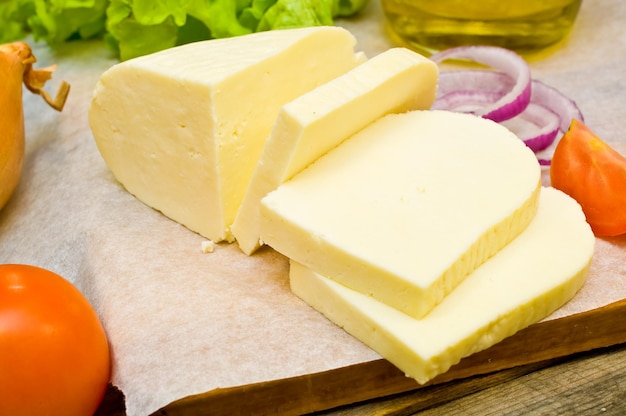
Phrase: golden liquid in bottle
[526,26]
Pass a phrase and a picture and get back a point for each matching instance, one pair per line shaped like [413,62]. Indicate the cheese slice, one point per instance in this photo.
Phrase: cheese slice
[392,82]
[531,277]
[407,207]
[183,129]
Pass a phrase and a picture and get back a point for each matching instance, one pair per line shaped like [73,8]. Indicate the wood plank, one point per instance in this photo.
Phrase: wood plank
[538,343]
[590,386]
[586,383]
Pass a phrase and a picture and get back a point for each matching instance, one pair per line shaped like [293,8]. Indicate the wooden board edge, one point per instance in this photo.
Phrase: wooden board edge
[299,395]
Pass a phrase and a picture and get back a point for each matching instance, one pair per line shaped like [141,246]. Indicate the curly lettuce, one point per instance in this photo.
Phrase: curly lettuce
[138,27]
[54,21]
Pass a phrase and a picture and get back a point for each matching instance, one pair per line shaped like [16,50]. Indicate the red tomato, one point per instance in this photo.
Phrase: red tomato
[54,354]
[594,174]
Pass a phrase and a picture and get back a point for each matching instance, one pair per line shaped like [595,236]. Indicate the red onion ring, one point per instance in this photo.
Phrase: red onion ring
[473,80]
[547,124]
[554,100]
[507,97]
[507,62]
[466,101]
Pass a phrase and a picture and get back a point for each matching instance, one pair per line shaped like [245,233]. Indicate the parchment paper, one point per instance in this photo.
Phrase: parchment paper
[182,322]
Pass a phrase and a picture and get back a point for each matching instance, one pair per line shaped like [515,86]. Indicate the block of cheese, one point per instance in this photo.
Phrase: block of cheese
[394,81]
[183,129]
[407,207]
[528,279]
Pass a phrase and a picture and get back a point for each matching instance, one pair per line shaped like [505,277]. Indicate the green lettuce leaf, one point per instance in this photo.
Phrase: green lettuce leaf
[346,8]
[297,13]
[252,14]
[13,21]
[129,34]
[221,17]
[53,21]
[137,27]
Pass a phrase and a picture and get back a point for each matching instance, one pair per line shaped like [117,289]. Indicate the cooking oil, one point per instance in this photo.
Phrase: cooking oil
[526,26]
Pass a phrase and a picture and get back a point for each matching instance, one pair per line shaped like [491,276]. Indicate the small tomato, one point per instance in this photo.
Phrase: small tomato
[594,174]
[54,354]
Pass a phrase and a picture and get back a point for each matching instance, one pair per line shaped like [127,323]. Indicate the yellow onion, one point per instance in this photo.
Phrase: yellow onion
[16,61]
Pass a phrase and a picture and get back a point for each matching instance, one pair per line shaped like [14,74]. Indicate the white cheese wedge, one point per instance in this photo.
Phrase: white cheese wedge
[183,129]
[534,275]
[407,207]
[394,81]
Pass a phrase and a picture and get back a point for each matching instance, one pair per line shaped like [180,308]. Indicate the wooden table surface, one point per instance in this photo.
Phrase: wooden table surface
[591,383]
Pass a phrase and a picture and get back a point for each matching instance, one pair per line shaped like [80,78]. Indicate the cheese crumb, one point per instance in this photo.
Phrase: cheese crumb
[208,246]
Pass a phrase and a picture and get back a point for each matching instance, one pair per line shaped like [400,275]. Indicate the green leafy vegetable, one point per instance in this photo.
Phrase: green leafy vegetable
[138,27]
[54,21]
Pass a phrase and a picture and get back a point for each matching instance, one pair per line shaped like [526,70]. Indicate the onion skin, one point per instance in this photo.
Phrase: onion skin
[16,60]
[12,68]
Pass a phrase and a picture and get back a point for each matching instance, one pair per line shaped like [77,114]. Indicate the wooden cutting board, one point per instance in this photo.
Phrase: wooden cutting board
[560,337]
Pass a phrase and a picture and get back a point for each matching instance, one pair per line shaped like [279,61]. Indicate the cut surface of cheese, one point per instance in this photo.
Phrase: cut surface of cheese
[394,81]
[407,207]
[182,129]
[534,275]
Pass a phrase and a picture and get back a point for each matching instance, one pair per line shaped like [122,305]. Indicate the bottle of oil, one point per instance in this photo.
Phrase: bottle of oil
[526,26]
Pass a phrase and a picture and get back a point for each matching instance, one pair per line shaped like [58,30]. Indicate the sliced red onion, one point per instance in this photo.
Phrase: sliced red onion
[545,123]
[545,127]
[485,92]
[466,101]
[474,80]
[555,101]
[505,61]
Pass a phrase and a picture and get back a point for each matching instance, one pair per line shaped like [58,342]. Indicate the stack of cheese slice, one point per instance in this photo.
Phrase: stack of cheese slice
[428,237]
[527,280]
[426,234]
[405,209]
